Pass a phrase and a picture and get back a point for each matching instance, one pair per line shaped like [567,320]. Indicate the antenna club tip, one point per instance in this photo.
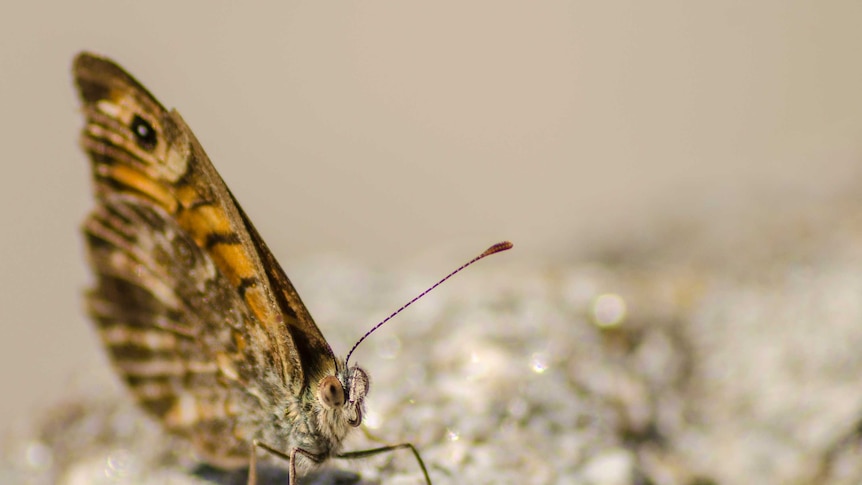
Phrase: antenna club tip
[500,246]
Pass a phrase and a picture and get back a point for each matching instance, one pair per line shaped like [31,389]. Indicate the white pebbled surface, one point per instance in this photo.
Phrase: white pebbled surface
[695,362]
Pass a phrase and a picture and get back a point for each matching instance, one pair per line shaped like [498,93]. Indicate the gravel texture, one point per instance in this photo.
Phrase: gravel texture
[717,354]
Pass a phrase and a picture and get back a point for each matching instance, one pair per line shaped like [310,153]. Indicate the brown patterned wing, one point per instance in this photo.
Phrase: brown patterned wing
[187,293]
[174,327]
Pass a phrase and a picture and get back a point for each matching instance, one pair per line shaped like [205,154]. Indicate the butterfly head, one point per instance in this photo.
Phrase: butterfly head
[346,394]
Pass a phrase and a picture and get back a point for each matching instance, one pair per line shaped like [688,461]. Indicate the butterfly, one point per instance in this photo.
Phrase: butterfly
[196,314]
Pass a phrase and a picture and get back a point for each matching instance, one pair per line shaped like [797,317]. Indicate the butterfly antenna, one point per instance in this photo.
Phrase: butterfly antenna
[501,246]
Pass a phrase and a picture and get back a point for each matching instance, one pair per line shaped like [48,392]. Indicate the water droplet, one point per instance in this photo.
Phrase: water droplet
[117,465]
[609,310]
[539,363]
[39,456]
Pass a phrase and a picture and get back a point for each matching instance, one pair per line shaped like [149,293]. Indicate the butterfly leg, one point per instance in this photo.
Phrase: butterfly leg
[291,458]
[252,464]
[374,451]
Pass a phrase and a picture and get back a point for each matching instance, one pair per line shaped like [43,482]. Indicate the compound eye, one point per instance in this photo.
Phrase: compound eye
[330,392]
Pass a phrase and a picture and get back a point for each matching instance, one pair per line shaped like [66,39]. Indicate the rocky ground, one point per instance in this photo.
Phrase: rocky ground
[719,352]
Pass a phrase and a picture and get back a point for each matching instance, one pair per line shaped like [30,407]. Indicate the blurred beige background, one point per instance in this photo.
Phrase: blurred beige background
[386,131]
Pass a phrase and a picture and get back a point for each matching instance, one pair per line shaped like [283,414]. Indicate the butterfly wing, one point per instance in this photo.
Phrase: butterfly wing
[173,327]
[198,316]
